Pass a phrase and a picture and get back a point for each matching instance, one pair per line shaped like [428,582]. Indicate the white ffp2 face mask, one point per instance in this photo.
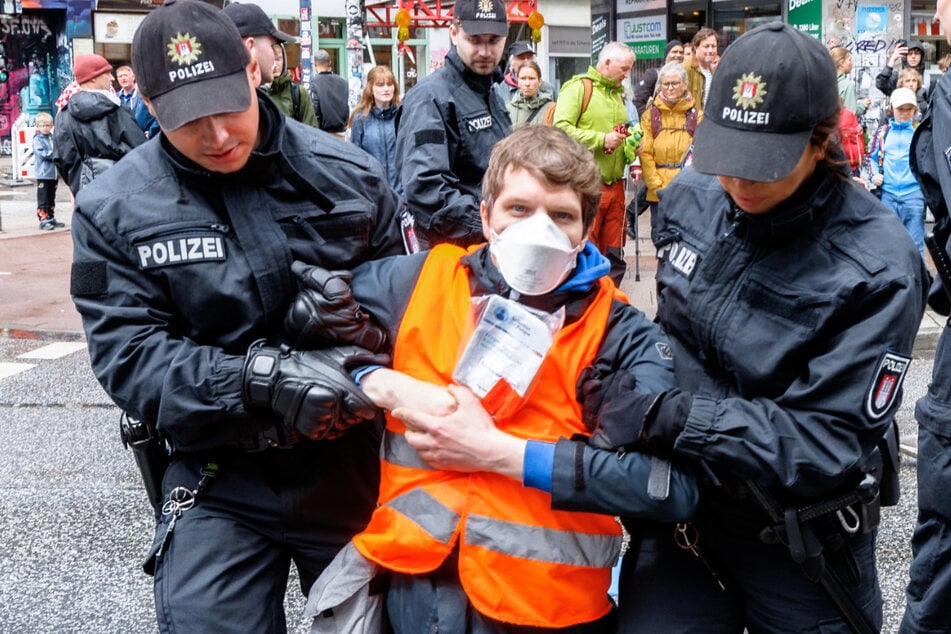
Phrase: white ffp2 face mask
[533,255]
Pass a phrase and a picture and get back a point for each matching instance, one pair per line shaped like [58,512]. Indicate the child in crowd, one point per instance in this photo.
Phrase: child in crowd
[46,175]
[888,164]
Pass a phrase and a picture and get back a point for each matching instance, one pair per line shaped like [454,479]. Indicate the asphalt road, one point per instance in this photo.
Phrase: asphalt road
[75,523]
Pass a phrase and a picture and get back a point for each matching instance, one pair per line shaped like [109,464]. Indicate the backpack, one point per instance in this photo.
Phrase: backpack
[588,85]
[657,121]
[295,100]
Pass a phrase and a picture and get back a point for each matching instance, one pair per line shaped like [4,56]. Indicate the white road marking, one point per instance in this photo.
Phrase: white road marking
[54,350]
[9,369]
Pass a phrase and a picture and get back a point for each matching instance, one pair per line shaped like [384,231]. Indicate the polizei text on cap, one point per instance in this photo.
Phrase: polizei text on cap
[187,72]
[745,116]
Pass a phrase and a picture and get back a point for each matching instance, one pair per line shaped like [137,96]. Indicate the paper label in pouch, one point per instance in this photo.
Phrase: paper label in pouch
[509,342]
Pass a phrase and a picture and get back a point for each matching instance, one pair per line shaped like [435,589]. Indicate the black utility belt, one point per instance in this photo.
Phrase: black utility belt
[274,437]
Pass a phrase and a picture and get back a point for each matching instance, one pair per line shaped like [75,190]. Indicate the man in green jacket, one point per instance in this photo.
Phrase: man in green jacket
[589,108]
[293,100]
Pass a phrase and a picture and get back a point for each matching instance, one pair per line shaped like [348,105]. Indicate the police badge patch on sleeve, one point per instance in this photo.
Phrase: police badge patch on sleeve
[886,383]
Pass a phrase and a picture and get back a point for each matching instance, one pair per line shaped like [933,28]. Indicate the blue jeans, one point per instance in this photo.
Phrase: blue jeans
[911,211]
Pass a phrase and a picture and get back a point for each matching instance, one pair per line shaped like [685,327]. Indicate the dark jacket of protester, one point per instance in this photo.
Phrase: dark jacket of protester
[927,606]
[445,131]
[329,93]
[91,125]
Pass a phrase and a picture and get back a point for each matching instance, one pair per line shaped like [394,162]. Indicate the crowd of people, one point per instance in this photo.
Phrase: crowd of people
[464,432]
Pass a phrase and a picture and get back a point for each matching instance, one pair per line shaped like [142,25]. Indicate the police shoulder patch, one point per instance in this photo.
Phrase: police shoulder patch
[886,383]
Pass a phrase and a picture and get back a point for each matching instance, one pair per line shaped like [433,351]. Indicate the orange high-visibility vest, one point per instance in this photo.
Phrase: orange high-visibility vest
[519,561]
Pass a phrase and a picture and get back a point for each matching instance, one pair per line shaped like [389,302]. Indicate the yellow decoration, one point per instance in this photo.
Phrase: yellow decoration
[402,18]
[536,35]
[536,20]
[402,34]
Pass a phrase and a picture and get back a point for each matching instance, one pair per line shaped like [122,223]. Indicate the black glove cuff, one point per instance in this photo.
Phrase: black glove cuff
[260,374]
[667,418]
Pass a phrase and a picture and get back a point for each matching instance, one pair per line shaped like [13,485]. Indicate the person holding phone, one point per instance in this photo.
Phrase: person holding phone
[905,55]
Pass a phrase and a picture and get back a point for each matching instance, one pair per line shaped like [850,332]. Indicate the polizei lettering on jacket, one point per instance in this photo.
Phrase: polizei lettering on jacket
[173,251]
[682,258]
[745,116]
[479,123]
[187,72]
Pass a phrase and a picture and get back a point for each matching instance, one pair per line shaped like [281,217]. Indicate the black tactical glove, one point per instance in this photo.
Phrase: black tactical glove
[324,313]
[310,389]
[594,385]
[622,417]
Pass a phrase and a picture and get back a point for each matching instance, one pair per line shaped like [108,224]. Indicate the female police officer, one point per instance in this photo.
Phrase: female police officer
[791,300]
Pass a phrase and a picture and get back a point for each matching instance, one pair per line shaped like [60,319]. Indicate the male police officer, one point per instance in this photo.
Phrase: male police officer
[182,274]
[927,608]
[448,124]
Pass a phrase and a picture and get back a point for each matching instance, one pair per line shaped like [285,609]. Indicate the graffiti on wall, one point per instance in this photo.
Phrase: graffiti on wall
[31,59]
[355,50]
[870,31]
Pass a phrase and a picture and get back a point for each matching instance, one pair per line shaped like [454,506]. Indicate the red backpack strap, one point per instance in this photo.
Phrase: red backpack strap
[657,121]
[692,121]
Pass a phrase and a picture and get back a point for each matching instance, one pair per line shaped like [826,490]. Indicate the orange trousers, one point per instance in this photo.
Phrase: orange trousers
[608,228]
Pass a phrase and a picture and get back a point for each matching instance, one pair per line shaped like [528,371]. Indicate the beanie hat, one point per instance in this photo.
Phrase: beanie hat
[90,66]
[670,45]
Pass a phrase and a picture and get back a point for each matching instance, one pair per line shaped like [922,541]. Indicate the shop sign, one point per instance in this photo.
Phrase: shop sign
[600,33]
[646,35]
[629,6]
[806,15]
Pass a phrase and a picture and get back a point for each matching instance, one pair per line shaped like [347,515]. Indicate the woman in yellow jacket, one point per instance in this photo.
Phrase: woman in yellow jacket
[668,125]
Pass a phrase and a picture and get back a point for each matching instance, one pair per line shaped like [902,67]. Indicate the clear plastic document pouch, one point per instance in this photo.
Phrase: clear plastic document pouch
[508,344]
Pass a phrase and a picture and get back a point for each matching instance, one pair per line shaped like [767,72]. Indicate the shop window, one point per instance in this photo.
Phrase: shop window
[732,21]
[561,69]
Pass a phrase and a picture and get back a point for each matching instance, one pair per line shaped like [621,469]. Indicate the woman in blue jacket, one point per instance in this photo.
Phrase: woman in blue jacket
[373,121]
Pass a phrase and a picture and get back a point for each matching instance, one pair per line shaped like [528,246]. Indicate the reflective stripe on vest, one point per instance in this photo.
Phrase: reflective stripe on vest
[542,544]
[398,452]
[520,561]
[428,513]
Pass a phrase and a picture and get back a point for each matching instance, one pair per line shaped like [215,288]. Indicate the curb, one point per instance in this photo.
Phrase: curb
[38,334]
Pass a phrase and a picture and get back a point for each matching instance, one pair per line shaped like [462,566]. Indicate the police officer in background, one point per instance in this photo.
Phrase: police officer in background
[791,329]
[182,275]
[447,125]
[927,607]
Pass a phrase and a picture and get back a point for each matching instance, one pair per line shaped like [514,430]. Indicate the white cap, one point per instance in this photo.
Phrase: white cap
[903,97]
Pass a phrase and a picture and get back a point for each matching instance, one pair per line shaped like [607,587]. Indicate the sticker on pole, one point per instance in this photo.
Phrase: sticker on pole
[886,384]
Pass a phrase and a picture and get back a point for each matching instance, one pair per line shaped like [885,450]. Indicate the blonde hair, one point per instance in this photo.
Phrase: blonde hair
[44,117]
[377,75]
[913,73]
[839,55]
[551,156]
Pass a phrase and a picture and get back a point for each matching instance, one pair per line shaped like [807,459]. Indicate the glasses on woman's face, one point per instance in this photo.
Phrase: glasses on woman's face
[670,84]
